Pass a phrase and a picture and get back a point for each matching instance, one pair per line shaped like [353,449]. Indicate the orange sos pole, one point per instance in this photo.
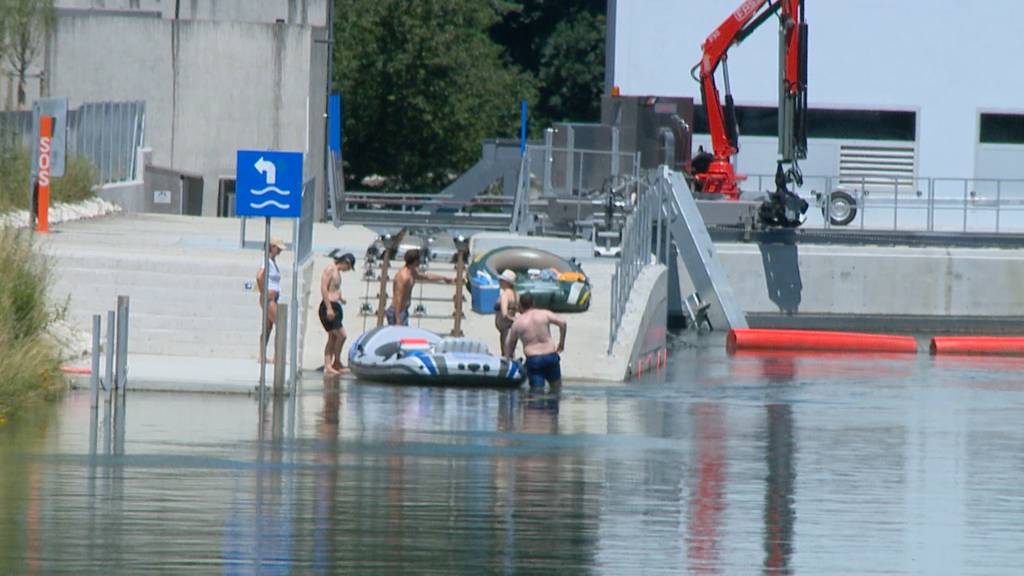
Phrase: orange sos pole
[43,173]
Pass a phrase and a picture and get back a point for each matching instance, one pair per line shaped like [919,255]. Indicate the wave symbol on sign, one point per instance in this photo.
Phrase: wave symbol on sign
[265,203]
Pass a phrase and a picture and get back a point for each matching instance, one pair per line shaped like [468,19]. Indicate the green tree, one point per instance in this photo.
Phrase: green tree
[26,23]
[423,85]
[572,69]
[562,45]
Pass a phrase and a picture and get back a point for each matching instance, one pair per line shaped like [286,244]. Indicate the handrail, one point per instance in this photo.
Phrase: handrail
[919,203]
[642,239]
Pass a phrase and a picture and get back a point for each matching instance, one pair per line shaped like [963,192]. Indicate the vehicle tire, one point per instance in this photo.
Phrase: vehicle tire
[841,209]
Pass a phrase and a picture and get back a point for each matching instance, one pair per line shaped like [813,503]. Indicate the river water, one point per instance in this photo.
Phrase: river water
[772,464]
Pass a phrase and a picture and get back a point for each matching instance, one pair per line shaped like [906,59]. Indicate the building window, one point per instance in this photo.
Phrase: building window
[1001,129]
[900,126]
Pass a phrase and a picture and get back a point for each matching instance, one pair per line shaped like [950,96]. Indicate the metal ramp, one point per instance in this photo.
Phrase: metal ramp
[497,160]
[686,229]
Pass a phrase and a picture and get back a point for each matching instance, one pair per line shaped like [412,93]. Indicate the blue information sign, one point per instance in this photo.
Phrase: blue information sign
[268,183]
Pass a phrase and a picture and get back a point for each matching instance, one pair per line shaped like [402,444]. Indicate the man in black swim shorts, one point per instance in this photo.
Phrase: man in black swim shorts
[331,311]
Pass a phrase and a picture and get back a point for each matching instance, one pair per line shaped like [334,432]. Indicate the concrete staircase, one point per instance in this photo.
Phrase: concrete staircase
[180,305]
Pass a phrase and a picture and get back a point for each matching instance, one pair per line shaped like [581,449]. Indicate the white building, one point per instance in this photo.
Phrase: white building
[934,84]
[215,75]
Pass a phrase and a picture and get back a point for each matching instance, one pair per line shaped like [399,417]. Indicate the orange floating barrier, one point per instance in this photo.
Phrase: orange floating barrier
[767,339]
[978,345]
[76,370]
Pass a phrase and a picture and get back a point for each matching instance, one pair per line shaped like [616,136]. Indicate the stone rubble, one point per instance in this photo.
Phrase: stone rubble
[59,212]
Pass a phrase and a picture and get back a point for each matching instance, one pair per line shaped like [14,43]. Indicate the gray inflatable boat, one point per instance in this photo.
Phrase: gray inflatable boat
[406,355]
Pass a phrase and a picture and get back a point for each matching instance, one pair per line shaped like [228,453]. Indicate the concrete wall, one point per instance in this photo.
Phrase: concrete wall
[649,347]
[876,281]
[210,87]
[641,339]
[312,12]
[948,59]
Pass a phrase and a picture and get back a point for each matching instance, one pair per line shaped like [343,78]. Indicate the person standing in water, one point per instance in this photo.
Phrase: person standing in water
[506,307]
[272,283]
[331,311]
[533,327]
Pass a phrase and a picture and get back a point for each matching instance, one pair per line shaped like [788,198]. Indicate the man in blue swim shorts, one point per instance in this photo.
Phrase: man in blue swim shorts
[533,327]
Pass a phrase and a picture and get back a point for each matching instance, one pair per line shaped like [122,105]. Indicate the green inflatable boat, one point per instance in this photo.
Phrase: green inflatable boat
[555,283]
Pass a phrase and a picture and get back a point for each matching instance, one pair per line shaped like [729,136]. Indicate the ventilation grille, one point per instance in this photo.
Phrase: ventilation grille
[877,168]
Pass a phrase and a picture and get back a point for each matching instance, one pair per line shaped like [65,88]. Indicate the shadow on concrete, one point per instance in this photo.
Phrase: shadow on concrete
[782,273]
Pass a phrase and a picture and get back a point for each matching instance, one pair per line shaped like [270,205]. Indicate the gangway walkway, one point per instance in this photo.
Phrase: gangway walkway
[667,222]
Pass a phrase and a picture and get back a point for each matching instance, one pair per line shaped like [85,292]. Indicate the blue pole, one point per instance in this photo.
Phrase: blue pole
[522,128]
[334,124]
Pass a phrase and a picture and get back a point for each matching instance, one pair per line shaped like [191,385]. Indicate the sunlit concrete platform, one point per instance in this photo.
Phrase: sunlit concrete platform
[195,316]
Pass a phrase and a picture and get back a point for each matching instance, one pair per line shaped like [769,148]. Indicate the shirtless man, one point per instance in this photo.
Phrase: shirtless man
[331,312]
[533,327]
[401,290]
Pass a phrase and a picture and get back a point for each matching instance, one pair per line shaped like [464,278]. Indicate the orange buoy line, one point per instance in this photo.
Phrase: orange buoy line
[768,339]
[978,345]
[76,370]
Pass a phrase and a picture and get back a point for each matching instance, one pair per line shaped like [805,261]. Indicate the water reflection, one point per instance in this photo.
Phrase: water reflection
[779,513]
[779,464]
[708,499]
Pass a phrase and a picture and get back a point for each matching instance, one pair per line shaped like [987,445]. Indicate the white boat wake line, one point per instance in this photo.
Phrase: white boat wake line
[269,203]
[269,189]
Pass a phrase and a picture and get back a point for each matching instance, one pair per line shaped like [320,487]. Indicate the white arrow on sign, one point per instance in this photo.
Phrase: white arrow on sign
[267,167]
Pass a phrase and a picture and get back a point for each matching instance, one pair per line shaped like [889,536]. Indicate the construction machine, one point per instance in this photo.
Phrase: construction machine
[713,172]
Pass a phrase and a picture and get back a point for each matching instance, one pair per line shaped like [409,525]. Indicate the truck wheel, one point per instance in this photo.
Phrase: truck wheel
[841,209]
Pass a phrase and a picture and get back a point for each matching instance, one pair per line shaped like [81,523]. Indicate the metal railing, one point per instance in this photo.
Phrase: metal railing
[920,204]
[547,177]
[109,134]
[644,236]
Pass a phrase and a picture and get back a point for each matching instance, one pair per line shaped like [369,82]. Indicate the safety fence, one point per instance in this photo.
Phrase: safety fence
[644,237]
[911,204]
[108,134]
[560,186]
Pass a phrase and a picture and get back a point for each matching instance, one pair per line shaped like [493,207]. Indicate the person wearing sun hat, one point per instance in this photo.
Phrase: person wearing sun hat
[506,307]
[331,311]
[272,282]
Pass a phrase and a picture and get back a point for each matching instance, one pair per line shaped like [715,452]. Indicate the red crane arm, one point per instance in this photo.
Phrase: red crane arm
[721,122]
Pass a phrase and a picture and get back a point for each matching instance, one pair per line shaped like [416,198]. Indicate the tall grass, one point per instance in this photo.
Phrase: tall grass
[15,162]
[29,358]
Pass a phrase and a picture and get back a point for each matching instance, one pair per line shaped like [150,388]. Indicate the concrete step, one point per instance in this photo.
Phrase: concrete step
[194,349]
[222,337]
[246,265]
[213,282]
[164,297]
[185,324]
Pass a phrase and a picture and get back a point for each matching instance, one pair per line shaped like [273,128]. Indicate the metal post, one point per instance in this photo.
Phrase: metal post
[265,297]
[612,310]
[241,233]
[94,376]
[122,343]
[280,348]
[549,135]
[579,188]
[895,202]
[570,157]
[108,375]
[965,205]
[864,204]
[999,201]
[525,220]
[658,253]
[293,322]
[615,152]
[931,205]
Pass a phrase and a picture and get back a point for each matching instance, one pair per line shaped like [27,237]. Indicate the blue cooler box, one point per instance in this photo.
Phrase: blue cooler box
[484,296]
